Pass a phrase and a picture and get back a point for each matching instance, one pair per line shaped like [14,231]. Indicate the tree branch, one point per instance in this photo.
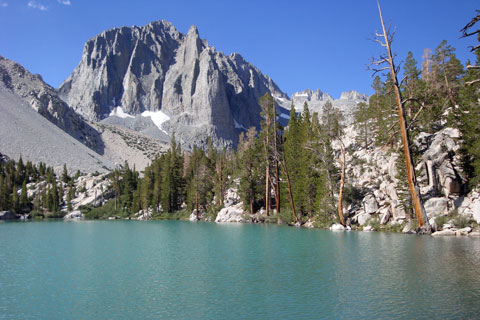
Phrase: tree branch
[469,83]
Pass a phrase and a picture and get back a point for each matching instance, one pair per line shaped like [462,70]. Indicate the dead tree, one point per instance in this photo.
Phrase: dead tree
[411,179]
[466,32]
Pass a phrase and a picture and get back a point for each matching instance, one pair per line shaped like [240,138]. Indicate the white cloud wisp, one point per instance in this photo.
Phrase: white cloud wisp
[36,5]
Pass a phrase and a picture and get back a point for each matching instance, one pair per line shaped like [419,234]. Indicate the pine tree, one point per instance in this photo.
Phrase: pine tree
[23,196]
[65,177]
[157,181]
[269,136]
[362,121]
[249,164]
[466,118]
[69,199]
[14,202]
[447,69]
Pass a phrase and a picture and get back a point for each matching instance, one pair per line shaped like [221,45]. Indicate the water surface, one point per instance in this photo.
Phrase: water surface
[184,270]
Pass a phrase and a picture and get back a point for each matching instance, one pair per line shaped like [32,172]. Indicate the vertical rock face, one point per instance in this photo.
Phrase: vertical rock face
[44,99]
[151,68]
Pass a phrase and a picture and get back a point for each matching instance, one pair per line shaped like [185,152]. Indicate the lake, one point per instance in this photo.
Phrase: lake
[185,270]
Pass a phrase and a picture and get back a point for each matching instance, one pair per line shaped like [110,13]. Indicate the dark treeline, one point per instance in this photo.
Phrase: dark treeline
[15,177]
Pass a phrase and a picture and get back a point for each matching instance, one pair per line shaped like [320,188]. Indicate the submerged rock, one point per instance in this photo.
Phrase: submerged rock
[447,232]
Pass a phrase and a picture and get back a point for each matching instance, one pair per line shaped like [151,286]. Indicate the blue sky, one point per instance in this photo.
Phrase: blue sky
[299,44]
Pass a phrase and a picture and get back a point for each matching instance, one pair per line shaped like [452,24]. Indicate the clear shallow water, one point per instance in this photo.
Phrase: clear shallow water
[184,270]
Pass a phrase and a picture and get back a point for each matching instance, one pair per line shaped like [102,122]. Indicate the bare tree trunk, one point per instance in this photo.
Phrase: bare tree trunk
[342,184]
[414,190]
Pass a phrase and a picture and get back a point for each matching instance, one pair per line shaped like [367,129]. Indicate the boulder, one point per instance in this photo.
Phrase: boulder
[447,232]
[397,211]
[362,218]
[309,224]
[448,179]
[464,231]
[233,213]
[370,204]
[436,207]
[385,215]
[368,228]
[337,227]
[77,214]
[379,194]
[231,197]
[144,214]
[447,226]
[193,216]
[476,210]
[7,215]
[474,233]
[409,228]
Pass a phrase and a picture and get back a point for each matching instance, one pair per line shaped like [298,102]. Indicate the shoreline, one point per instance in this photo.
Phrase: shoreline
[470,232]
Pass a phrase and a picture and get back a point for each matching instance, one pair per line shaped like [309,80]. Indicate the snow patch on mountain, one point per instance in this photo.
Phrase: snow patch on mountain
[158,118]
[118,112]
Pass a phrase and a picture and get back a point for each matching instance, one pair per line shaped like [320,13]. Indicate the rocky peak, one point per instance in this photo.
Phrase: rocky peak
[353,95]
[151,68]
[193,31]
[309,96]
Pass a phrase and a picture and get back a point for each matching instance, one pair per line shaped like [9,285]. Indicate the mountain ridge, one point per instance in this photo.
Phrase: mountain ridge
[204,92]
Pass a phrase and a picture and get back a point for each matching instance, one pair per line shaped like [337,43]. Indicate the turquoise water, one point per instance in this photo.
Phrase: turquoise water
[184,270]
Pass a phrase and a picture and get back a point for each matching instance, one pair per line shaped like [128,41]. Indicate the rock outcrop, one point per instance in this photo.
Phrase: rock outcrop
[232,213]
[44,99]
[373,173]
[203,92]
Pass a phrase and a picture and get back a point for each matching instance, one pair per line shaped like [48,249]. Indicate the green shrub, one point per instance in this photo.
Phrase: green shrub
[286,216]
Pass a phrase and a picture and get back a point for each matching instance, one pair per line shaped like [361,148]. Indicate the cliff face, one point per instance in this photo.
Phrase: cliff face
[202,92]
